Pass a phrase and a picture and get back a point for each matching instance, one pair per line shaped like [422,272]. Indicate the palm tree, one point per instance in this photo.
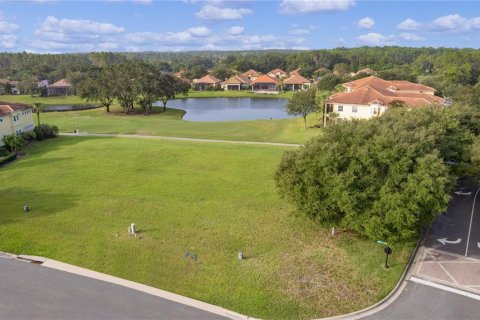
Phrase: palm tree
[38,107]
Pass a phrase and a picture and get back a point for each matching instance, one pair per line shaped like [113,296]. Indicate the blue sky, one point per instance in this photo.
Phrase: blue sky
[141,25]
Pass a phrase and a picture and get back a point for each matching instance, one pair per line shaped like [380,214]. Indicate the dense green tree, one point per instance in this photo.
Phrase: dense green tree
[13,142]
[302,103]
[329,82]
[385,178]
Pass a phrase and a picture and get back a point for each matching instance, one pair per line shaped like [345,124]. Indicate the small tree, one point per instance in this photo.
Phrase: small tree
[13,142]
[397,104]
[302,103]
[38,107]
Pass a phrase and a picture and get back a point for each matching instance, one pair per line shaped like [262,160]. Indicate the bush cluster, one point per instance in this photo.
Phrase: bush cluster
[386,178]
[45,131]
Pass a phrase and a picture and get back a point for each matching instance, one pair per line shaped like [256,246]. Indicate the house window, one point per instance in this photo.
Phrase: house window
[340,108]
[355,109]
[374,110]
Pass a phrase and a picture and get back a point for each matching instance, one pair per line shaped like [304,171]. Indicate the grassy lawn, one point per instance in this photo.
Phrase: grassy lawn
[170,123]
[211,200]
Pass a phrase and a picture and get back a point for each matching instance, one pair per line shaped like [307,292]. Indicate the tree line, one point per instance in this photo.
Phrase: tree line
[447,69]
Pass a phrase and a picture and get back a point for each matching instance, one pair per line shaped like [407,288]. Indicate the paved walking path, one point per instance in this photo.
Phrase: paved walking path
[114,135]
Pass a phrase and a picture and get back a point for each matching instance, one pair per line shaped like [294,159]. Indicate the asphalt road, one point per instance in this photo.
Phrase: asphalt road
[422,302]
[30,291]
[459,226]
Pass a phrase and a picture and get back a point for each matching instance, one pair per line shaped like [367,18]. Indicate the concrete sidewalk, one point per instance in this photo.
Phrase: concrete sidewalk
[138,136]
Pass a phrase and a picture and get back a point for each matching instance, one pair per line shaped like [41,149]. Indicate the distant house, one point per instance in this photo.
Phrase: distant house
[265,84]
[207,82]
[236,83]
[251,74]
[369,97]
[15,118]
[296,82]
[277,73]
[295,72]
[60,88]
[367,71]
[10,86]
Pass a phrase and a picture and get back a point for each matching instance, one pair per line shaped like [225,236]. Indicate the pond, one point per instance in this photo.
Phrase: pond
[230,109]
[69,107]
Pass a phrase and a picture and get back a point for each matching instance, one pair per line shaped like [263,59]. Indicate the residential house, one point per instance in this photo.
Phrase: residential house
[266,84]
[9,86]
[369,97]
[15,118]
[295,72]
[251,74]
[207,82]
[296,82]
[60,88]
[277,73]
[236,83]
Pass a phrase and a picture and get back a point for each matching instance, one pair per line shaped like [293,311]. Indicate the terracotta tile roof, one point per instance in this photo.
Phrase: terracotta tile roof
[407,85]
[237,80]
[186,80]
[278,71]
[295,72]
[9,107]
[394,85]
[60,84]
[367,95]
[266,79]
[251,73]
[296,79]
[208,79]
[372,81]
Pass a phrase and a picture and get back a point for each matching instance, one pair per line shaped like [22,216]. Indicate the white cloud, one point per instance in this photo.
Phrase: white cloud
[236,30]
[366,23]
[375,39]
[7,27]
[210,12]
[409,24]
[199,31]
[52,24]
[297,30]
[8,41]
[8,30]
[450,22]
[76,35]
[410,37]
[140,38]
[292,7]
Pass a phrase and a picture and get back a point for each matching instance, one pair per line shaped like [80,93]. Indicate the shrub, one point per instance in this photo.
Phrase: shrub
[45,131]
[13,142]
[28,135]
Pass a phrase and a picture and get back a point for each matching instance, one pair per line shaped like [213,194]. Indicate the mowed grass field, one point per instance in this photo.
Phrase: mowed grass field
[170,123]
[213,200]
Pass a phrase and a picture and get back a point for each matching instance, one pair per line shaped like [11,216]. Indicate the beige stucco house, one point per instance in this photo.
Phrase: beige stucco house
[15,118]
[369,97]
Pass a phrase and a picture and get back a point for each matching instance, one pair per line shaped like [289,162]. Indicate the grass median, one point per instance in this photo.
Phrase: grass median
[210,200]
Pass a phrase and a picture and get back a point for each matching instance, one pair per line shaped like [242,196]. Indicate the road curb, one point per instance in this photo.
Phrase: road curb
[65,267]
[390,298]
